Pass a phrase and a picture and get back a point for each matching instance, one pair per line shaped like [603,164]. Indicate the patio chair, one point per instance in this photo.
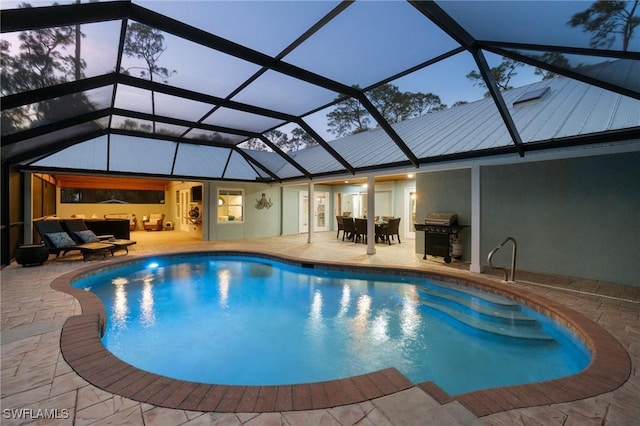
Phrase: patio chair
[349,228]
[361,229]
[59,241]
[340,226]
[78,230]
[392,228]
[154,222]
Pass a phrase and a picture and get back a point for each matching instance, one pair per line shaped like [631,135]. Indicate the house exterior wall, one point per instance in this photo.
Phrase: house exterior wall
[575,217]
[257,222]
[445,192]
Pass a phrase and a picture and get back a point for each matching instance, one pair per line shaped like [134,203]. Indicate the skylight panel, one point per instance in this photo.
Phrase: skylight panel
[532,95]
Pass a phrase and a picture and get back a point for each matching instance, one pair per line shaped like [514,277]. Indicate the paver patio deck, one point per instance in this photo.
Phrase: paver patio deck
[36,377]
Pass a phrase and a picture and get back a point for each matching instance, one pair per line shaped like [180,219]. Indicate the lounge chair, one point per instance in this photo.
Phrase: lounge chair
[81,235]
[392,228]
[155,222]
[59,241]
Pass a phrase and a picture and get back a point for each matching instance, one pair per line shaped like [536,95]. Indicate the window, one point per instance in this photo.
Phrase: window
[230,205]
[110,196]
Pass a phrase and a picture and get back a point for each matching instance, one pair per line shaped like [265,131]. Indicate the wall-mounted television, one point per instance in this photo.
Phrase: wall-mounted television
[196,194]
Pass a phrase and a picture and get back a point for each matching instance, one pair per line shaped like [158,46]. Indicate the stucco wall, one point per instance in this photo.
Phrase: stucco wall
[577,217]
[257,222]
[445,192]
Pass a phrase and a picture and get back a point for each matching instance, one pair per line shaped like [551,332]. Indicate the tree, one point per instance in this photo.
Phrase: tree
[349,117]
[607,19]
[278,138]
[42,61]
[422,103]
[502,74]
[552,58]
[147,44]
[390,102]
[301,139]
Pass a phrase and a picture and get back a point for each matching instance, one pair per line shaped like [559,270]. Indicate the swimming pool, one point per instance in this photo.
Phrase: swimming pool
[309,324]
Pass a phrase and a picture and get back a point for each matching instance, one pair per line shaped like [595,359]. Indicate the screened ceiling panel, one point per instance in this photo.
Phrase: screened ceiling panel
[142,100]
[236,119]
[195,88]
[192,66]
[314,160]
[49,111]
[268,159]
[620,72]
[365,32]
[51,141]
[380,149]
[529,22]
[147,126]
[222,17]
[98,52]
[239,168]
[140,155]
[89,155]
[214,137]
[279,92]
[199,160]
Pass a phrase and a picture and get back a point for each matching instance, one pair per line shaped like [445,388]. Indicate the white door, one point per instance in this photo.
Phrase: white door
[303,225]
[321,214]
[183,209]
[410,212]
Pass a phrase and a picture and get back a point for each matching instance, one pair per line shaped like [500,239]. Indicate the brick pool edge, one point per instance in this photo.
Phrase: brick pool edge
[82,349]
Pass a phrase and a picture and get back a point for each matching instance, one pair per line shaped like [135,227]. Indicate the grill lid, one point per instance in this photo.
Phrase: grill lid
[443,219]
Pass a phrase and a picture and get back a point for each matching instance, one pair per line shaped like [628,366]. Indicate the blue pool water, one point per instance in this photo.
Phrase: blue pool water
[252,321]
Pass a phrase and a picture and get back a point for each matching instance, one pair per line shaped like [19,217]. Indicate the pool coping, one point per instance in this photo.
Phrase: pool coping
[82,349]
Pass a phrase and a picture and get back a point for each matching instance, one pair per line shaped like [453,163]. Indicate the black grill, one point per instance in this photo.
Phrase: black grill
[438,229]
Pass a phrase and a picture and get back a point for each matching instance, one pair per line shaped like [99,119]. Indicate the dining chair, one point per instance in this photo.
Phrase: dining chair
[340,226]
[361,229]
[349,228]
[392,228]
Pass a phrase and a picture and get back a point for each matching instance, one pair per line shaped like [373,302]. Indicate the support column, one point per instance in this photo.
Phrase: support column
[371,215]
[311,212]
[27,196]
[476,205]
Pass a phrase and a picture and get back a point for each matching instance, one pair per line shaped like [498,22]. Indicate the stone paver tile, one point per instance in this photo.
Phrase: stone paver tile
[348,415]
[20,346]
[28,380]
[461,414]
[26,399]
[309,418]
[245,417]
[376,418]
[412,405]
[90,395]
[266,419]
[67,382]
[214,419]
[164,416]
[128,416]
[95,412]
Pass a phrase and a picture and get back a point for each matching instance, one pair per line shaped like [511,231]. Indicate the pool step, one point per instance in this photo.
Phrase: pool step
[478,295]
[481,311]
[488,308]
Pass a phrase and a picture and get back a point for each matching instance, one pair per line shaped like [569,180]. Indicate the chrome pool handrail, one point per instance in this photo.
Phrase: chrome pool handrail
[513,259]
